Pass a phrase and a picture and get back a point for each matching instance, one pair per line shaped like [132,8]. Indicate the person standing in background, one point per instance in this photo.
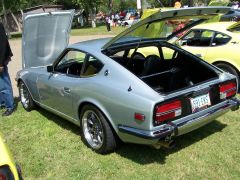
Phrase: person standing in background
[107,21]
[6,92]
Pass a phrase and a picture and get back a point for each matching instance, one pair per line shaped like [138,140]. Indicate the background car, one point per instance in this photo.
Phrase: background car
[217,43]
[8,169]
[129,20]
[111,96]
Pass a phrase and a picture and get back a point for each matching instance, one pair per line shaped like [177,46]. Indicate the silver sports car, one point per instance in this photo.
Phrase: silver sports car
[111,92]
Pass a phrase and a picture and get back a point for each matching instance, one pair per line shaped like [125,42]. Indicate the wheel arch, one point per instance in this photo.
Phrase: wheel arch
[227,63]
[21,80]
[102,110]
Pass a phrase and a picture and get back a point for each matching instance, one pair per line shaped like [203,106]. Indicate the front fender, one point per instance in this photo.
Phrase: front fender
[30,80]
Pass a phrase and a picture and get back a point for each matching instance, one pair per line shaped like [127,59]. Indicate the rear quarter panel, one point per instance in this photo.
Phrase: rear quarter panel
[118,95]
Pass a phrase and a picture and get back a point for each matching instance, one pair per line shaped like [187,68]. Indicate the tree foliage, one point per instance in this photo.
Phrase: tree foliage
[106,6]
[15,5]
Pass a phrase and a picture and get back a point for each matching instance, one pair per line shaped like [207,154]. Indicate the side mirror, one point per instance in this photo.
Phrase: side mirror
[50,68]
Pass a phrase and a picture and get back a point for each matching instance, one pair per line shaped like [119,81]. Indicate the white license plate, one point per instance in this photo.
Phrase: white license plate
[200,102]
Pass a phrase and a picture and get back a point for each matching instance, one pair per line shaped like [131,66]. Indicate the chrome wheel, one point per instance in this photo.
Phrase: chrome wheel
[24,95]
[92,129]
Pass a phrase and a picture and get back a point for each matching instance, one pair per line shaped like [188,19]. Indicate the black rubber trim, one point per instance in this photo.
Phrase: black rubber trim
[156,135]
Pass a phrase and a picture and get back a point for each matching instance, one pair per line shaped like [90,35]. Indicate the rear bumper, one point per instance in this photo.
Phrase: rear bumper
[183,125]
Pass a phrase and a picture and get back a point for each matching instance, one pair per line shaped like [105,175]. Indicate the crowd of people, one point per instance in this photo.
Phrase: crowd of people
[116,19]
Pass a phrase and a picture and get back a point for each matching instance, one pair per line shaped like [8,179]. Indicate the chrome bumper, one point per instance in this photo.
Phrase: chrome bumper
[186,124]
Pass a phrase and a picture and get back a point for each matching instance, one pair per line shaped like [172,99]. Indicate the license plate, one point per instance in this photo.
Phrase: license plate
[200,102]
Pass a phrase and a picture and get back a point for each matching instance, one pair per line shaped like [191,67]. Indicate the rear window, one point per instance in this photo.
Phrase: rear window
[158,29]
[220,39]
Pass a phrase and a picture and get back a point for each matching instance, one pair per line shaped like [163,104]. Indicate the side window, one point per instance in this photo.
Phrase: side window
[191,39]
[190,35]
[168,53]
[220,39]
[198,38]
[91,67]
[71,63]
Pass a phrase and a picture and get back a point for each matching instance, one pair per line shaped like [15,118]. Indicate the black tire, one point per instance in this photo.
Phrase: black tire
[25,97]
[96,133]
[228,68]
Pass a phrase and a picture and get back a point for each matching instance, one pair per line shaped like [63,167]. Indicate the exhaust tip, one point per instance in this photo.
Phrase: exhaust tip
[166,144]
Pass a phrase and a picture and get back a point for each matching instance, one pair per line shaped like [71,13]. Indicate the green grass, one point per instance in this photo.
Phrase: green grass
[99,30]
[48,147]
[16,35]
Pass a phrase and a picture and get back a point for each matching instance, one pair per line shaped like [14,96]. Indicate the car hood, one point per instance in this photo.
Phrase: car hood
[45,35]
[166,24]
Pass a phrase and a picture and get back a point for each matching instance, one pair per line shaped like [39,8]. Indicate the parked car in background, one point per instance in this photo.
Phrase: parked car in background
[8,169]
[217,43]
[110,96]
[129,20]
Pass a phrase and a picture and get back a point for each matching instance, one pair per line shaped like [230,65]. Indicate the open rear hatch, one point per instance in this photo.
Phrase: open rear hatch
[164,67]
[188,83]
[162,24]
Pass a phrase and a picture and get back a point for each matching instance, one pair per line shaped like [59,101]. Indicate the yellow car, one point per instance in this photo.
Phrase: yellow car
[8,169]
[217,43]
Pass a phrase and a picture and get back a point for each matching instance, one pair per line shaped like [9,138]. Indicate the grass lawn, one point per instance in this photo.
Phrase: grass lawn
[99,30]
[48,147]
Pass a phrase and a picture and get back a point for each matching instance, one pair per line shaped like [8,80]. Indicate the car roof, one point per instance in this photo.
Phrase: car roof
[91,46]
[216,26]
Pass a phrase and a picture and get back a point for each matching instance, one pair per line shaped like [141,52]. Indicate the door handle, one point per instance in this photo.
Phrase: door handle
[198,55]
[66,90]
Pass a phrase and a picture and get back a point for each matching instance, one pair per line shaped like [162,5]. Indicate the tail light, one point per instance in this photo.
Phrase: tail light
[5,173]
[167,111]
[227,90]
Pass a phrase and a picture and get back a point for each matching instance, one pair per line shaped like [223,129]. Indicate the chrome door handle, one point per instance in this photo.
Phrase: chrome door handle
[66,90]
[198,55]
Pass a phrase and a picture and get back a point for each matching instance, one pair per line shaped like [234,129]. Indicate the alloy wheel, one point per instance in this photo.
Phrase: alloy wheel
[24,95]
[92,129]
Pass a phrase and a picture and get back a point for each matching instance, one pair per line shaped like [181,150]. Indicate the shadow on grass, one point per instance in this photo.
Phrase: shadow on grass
[16,102]
[144,154]
[60,121]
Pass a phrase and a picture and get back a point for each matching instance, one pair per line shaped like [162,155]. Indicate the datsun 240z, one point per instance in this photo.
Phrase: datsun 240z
[111,95]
